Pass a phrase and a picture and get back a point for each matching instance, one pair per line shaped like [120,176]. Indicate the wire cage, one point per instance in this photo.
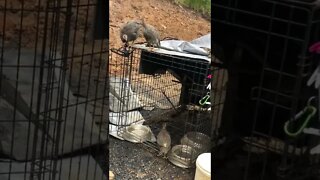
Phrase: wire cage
[264,45]
[150,88]
[53,90]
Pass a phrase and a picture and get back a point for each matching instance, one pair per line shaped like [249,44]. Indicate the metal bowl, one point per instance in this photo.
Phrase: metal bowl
[199,141]
[182,156]
[137,133]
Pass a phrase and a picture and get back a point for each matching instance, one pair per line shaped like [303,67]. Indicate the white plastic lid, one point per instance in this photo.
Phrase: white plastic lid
[204,162]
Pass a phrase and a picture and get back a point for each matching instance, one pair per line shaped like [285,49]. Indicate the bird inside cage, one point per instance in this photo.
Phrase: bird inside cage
[164,141]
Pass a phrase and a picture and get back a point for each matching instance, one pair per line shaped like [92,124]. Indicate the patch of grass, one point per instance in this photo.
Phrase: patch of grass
[202,6]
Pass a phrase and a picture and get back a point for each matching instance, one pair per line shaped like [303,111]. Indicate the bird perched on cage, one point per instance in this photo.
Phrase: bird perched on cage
[151,35]
[164,141]
[130,31]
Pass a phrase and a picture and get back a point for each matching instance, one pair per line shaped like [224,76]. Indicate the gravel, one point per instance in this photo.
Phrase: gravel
[134,161]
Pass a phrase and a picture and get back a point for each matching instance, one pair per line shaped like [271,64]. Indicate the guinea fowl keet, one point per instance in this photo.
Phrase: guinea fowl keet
[164,141]
[130,31]
[151,35]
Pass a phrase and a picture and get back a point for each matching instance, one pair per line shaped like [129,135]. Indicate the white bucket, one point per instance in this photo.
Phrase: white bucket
[203,164]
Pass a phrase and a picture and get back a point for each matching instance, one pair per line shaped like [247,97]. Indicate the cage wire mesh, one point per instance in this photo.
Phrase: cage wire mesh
[152,88]
[53,90]
[264,45]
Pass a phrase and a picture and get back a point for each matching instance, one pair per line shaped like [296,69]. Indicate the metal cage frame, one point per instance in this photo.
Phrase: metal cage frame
[169,85]
[53,90]
[266,42]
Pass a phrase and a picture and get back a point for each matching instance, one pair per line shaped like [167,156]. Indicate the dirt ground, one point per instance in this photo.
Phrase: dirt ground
[27,18]
[170,19]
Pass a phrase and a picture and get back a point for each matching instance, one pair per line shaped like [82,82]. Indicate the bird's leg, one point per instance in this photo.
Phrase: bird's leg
[123,48]
[132,43]
[160,152]
[151,48]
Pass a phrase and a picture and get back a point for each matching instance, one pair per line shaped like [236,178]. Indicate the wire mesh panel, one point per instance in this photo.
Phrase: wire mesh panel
[265,47]
[149,89]
[53,90]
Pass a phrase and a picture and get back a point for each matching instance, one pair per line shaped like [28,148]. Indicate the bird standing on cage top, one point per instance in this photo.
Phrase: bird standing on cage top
[164,141]
[151,35]
[130,31]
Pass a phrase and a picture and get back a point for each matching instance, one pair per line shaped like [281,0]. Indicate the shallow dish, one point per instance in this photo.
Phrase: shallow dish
[199,141]
[137,133]
[182,156]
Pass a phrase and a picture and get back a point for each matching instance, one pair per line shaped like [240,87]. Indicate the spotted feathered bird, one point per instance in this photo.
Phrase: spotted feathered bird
[130,31]
[151,35]
[164,141]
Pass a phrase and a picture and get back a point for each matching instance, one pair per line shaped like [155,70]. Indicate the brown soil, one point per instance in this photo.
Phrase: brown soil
[170,19]
[23,22]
